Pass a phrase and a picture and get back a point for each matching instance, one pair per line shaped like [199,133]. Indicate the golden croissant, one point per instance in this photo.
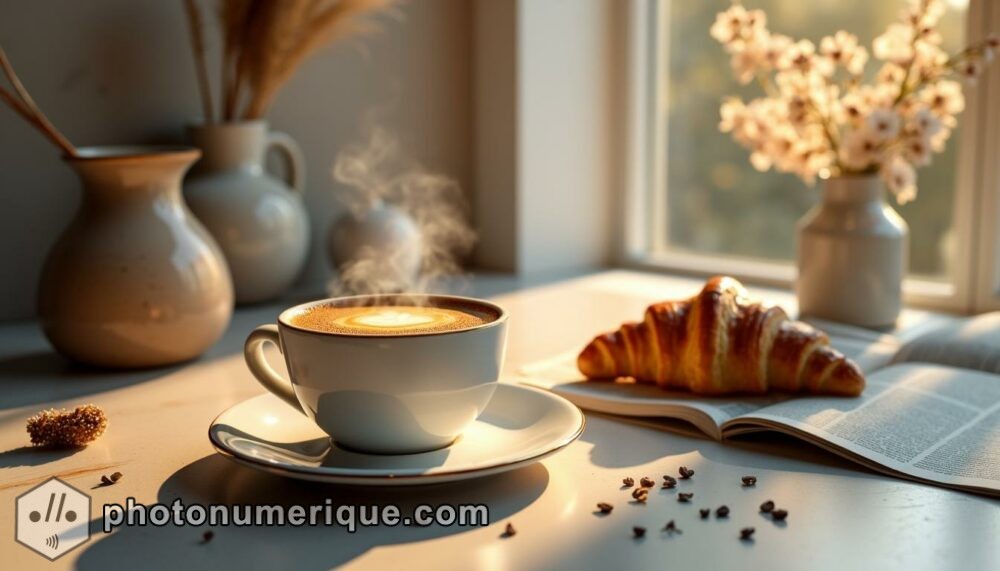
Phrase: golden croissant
[720,342]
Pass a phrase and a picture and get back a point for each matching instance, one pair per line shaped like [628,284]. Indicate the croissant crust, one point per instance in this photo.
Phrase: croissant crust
[720,342]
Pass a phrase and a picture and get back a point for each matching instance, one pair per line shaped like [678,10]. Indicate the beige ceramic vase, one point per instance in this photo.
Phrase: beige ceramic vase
[852,252]
[135,280]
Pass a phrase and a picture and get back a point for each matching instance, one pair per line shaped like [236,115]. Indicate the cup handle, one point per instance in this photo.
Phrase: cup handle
[253,352]
[291,153]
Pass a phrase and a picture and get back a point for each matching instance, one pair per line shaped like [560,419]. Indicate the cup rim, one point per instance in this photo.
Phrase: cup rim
[502,315]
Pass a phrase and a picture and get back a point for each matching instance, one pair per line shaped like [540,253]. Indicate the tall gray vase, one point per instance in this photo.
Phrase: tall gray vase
[260,222]
[852,255]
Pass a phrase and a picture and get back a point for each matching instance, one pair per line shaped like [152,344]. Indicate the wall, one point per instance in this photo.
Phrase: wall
[548,91]
[114,71]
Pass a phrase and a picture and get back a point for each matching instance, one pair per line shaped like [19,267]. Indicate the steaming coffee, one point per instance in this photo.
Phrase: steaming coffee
[389,319]
[406,374]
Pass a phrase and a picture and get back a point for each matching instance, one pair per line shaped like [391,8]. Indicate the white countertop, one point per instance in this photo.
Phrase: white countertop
[841,516]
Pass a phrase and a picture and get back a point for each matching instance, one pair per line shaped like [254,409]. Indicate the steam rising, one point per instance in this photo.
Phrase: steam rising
[377,173]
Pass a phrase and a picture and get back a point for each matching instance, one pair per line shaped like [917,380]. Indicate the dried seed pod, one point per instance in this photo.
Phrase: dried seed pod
[685,496]
[646,482]
[629,481]
[106,481]
[605,508]
[704,512]
[640,495]
[767,506]
[746,533]
[638,531]
[722,511]
[65,428]
[685,472]
[116,476]
[749,480]
[779,515]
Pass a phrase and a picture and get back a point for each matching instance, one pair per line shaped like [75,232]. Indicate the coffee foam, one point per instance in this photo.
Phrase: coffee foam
[388,319]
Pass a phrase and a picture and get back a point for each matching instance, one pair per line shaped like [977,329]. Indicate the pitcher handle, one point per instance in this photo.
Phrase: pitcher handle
[291,154]
[253,352]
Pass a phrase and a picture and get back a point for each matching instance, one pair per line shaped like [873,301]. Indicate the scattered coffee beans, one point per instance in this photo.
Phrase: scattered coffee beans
[746,533]
[671,527]
[667,479]
[638,532]
[704,512]
[640,495]
[647,482]
[685,472]
[509,531]
[684,497]
[605,508]
[779,515]
[722,511]
[767,506]
[207,536]
[628,482]
[749,480]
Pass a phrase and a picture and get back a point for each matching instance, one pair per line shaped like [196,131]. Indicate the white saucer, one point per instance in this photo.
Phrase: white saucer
[520,426]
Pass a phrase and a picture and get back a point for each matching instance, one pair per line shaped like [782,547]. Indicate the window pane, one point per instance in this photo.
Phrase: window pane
[716,201]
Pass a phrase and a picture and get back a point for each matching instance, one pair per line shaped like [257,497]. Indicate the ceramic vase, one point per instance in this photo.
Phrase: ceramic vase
[135,280]
[259,221]
[852,255]
[376,249]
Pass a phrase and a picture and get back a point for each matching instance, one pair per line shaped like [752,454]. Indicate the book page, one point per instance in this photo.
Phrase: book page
[972,343]
[560,375]
[929,422]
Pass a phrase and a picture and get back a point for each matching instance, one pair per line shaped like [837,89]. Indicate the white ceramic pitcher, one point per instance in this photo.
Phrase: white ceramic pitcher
[259,221]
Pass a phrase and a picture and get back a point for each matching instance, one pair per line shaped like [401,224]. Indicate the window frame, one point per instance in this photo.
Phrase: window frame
[975,283]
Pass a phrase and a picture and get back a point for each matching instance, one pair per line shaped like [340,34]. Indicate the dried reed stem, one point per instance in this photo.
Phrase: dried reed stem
[201,66]
[265,41]
[27,108]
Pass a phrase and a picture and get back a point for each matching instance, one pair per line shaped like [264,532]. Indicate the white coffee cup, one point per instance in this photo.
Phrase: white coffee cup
[387,394]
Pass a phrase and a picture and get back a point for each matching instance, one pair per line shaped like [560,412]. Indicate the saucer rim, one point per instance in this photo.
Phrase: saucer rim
[316,474]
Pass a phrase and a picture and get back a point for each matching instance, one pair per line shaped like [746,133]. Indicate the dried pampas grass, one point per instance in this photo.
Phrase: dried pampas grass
[265,41]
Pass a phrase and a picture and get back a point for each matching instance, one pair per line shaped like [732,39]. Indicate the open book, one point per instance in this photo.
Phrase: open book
[930,411]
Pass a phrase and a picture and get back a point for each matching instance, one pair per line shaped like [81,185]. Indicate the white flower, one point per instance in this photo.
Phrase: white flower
[895,45]
[842,49]
[900,178]
[801,56]
[944,99]
[733,114]
[775,51]
[917,150]
[883,123]
[737,23]
[923,123]
[859,149]
[746,62]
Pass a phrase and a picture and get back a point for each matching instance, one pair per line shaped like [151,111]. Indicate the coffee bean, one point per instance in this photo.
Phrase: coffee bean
[722,511]
[685,472]
[638,531]
[767,506]
[749,480]
[779,515]
[684,497]
[605,507]
[746,533]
